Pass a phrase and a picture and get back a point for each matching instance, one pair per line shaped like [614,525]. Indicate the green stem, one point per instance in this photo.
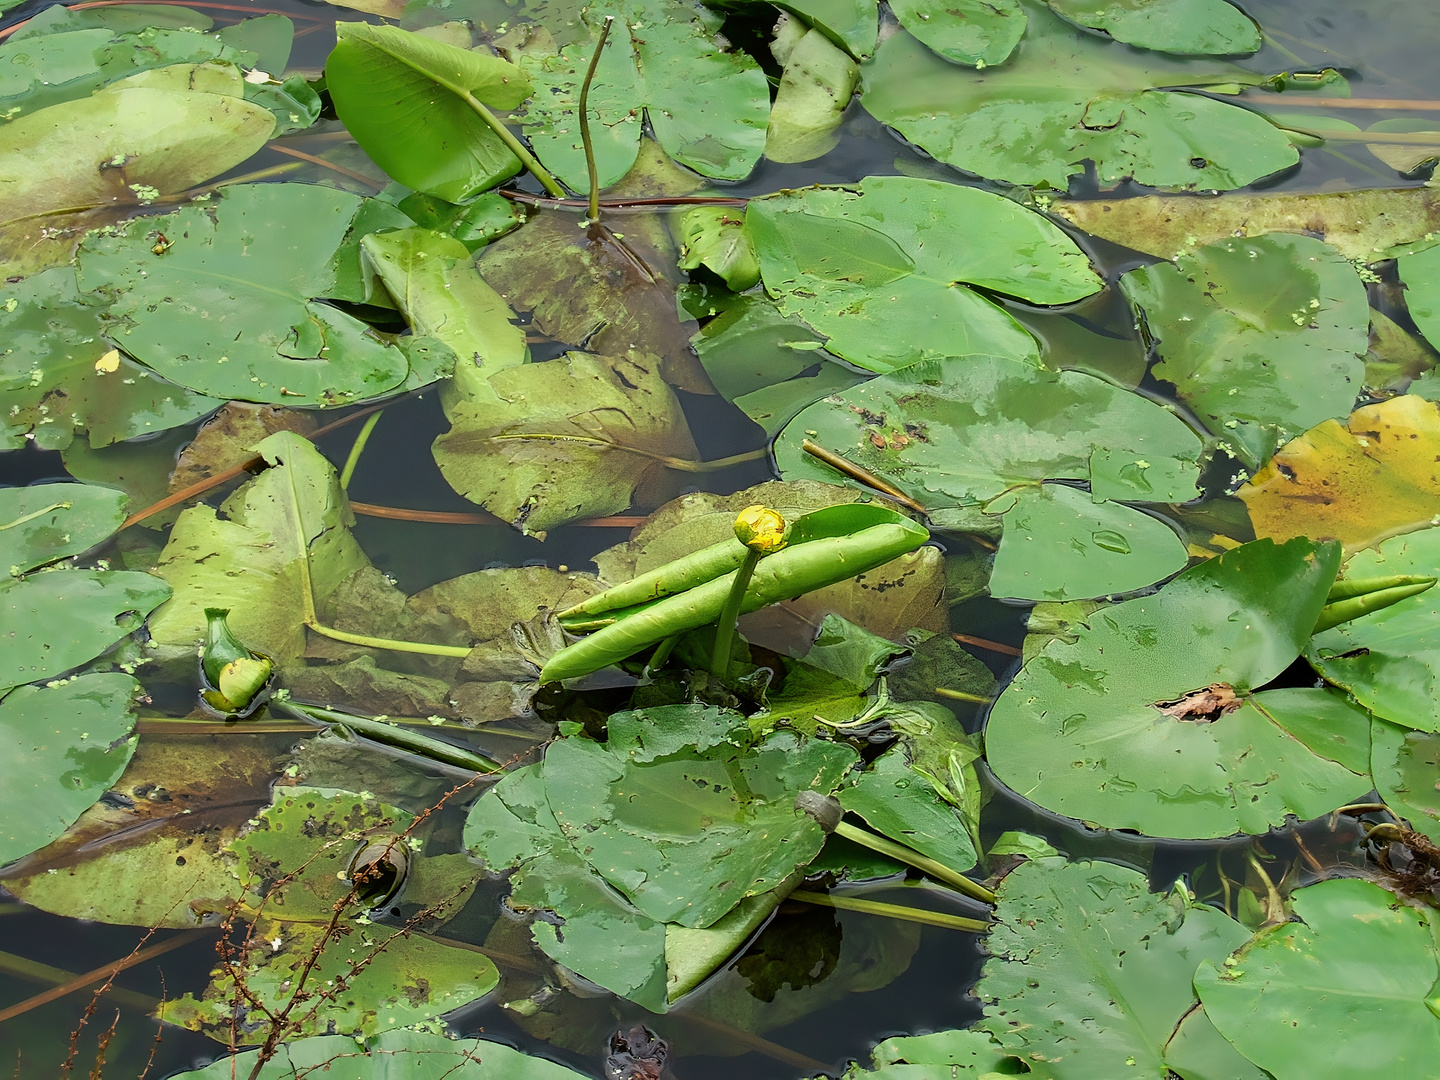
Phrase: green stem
[516,147]
[893,911]
[961,695]
[393,735]
[730,615]
[662,653]
[38,513]
[590,168]
[1274,902]
[939,871]
[358,448]
[20,967]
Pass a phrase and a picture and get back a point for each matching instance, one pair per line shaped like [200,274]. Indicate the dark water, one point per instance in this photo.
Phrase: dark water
[1385,49]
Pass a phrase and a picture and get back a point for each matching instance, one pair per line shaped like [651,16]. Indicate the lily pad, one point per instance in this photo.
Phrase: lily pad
[1185,27]
[61,374]
[1148,720]
[419,1055]
[568,439]
[1420,272]
[1358,482]
[1359,961]
[1070,96]
[225,302]
[406,98]
[1263,337]
[707,104]
[249,560]
[1091,970]
[1390,659]
[1406,764]
[878,269]
[57,621]
[62,747]
[941,1055]
[44,523]
[900,803]
[970,32]
[1060,544]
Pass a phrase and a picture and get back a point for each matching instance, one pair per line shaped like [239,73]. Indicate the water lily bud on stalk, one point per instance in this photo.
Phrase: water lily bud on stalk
[234,675]
[761,529]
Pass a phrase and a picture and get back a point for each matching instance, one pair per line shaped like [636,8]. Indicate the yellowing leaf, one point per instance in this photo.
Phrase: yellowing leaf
[108,363]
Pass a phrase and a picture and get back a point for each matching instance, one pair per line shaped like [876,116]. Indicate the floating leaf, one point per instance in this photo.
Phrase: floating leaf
[1360,962]
[568,439]
[44,523]
[1358,482]
[898,802]
[1059,544]
[409,100]
[225,303]
[1262,337]
[1405,158]
[946,1055]
[815,91]
[62,747]
[1390,659]
[1420,271]
[877,269]
[1405,764]
[715,237]
[126,144]
[970,32]
[1091,971]
[851,23]
[57,375]
[1147,721]
[1012,123]
[1185,27]
[57,621]
[418,1055]
[1359,224]
[249,560]
[664,61]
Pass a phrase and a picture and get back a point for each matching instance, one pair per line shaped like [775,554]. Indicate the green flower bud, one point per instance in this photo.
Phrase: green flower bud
[234,675]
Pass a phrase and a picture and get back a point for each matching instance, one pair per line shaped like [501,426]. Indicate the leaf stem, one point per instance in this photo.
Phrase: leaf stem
[855,472]
[939,871]
[1274,902]
[730,615]
[32,516]
[590,168]
[394,735]
[961,695]
[893,911]
[516,147]
[348,472]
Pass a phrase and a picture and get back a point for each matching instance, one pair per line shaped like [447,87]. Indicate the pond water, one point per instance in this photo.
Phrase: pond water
[854,979]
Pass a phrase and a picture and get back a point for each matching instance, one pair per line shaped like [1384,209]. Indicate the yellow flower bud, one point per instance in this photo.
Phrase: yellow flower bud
[761,529]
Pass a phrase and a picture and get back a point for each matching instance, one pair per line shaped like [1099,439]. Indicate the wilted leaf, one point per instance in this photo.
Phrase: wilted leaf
[406,99]
[1091,971]
[226,302]
[568,439]
[1357,960]
[1185,27]
[1357,482]
[878,269]
[43,523]
[224,440]
[1405,764]
[1070,95]
[1147,721]
[815,90]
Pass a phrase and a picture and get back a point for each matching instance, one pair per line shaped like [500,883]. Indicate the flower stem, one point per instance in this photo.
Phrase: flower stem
[939,871]
[730,615]
[893,911]
[590,168]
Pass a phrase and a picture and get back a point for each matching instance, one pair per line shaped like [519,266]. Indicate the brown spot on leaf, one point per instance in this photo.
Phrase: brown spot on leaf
[1203,706]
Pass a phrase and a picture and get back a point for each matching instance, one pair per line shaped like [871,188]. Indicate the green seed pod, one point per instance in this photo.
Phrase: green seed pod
[221,646]
[235,676]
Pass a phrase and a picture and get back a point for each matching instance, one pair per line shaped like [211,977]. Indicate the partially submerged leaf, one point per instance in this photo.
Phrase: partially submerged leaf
[1069,96]
[1185,27]
[44,523]
[1355,960]
[1084,730]
[974,33]
[1404,763]
[568,439]
[1357,482]
[228,303]
[1262,337]
[815,91]
[878,269]
[715,237]
[898,802]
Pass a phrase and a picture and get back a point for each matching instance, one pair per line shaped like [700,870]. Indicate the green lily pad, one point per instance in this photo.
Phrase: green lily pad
[1059,544]
[1069,96]
[418,1055]
[44,523]
[1091,970]
[1359,482]
[1185,27]
[1262,337]
[57,621]
[1147,721]
[1361,962]
[62,747]
[900,803]
[249,559]
[1390,659]
[120,18]
[225,302]
[1420,272]
[568,439]
[715,237]
[852,24]
[1406,767]
[877,269]
[941,1055]
[406,99]
[707,104]
[58,380]
[970,32]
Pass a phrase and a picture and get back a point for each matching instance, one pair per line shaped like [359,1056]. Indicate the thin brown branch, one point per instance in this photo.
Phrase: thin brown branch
[864,476]
[351,173]
[986,643]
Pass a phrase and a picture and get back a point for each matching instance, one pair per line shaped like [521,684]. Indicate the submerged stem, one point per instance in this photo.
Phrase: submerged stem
[893,911]
[358,448]
[939,871]
[393,735]
[590,168]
